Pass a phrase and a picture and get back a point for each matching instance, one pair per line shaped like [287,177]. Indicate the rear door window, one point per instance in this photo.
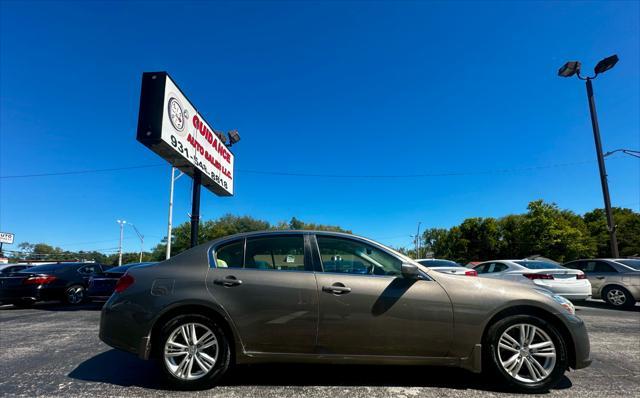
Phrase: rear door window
[281,253]
[230,255]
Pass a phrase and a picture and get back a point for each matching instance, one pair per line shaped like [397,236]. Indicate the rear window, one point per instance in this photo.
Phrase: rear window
[48,268]
[539,265]
[635,264]
[439,263]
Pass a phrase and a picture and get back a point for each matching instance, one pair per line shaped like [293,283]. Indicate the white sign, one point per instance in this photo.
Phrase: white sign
[6,237]
[189,134]
[170,125]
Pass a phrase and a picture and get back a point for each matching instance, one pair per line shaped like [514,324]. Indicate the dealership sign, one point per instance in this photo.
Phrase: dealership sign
[6,237]
[169,125]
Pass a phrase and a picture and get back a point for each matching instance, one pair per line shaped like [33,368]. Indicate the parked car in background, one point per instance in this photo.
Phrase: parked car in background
[66,282]
[328,297]
[570,283]
[6,269]
[616,281]
[446,266]
[101,285]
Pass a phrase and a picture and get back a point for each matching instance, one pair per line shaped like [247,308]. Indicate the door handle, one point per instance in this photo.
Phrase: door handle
[228,281]
[599,277]
[336,288]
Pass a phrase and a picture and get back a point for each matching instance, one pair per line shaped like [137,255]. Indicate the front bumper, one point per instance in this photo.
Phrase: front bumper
[581,344]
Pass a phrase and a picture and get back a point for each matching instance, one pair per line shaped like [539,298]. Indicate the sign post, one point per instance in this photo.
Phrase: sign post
[170,125]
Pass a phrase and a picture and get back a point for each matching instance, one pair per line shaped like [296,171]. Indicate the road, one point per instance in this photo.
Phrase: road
[54,350]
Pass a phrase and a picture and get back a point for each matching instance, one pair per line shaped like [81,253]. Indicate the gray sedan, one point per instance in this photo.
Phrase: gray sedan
[325,297]
[616,281]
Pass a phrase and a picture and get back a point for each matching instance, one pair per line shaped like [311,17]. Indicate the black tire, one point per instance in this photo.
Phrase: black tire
[493,367]
[213,375]
[74,295]
[627,302]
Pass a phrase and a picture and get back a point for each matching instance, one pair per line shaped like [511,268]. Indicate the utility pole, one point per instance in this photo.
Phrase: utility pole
[170,223]
[613,240]
[122,223]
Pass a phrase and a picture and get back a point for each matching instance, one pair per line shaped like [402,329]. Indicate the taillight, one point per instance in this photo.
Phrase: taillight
[472,272]
[124,282]
[581,276]
[538,276]
[39,280]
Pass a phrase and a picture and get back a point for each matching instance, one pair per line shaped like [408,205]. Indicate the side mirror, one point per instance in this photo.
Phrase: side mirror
[410,271]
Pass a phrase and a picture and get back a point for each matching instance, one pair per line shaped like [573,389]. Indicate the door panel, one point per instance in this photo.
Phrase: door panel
[274,311]
[383,315]
[273,305]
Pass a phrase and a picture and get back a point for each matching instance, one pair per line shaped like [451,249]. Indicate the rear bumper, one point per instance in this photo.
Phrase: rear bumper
[122,327]
[579,290]
[30,292]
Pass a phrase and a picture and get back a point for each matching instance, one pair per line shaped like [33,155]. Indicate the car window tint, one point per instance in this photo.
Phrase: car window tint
[230,255]
[598,266]
[88,269]
[481,269]
[494,267]
[284,253]
[354,257]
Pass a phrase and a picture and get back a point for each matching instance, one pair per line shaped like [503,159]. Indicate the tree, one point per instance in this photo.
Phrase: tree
[628,231]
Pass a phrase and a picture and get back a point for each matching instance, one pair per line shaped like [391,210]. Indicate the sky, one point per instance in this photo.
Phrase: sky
[410,112]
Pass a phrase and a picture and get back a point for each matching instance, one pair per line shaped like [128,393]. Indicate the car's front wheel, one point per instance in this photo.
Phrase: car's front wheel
[193,351]
[527,352]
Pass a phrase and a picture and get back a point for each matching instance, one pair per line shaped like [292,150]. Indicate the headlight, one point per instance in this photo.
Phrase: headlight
[568,305]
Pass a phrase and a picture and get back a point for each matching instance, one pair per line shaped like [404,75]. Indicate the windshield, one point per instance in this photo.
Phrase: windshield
[635,264]
[439,263]
[539,265]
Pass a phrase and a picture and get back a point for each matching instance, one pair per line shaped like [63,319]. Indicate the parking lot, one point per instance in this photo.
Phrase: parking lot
[52,349]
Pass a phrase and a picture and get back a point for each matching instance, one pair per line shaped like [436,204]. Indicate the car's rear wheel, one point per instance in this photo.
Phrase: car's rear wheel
[193,351]
[527,352]
[74,295]
[618,297]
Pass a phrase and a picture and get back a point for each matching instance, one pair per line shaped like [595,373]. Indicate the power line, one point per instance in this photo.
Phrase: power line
[322,175]
[90,171]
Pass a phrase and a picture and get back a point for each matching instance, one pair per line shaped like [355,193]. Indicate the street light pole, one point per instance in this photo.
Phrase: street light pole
[613,240]
[418,240]
[573,68]
[141,237]
[170,223]
[122,223]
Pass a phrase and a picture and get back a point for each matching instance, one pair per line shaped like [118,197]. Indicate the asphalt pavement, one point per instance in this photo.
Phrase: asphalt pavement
[54,350]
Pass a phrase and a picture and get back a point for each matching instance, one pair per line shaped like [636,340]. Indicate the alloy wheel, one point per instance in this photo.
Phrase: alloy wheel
[191,351]
[526,353]
[75,294]
[616,297]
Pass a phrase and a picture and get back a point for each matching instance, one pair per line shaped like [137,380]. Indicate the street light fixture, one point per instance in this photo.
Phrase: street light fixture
[569,69]
[573,68]
[234,137]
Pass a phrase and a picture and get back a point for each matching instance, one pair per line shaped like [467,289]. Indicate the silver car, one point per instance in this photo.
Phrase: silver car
[616,281]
